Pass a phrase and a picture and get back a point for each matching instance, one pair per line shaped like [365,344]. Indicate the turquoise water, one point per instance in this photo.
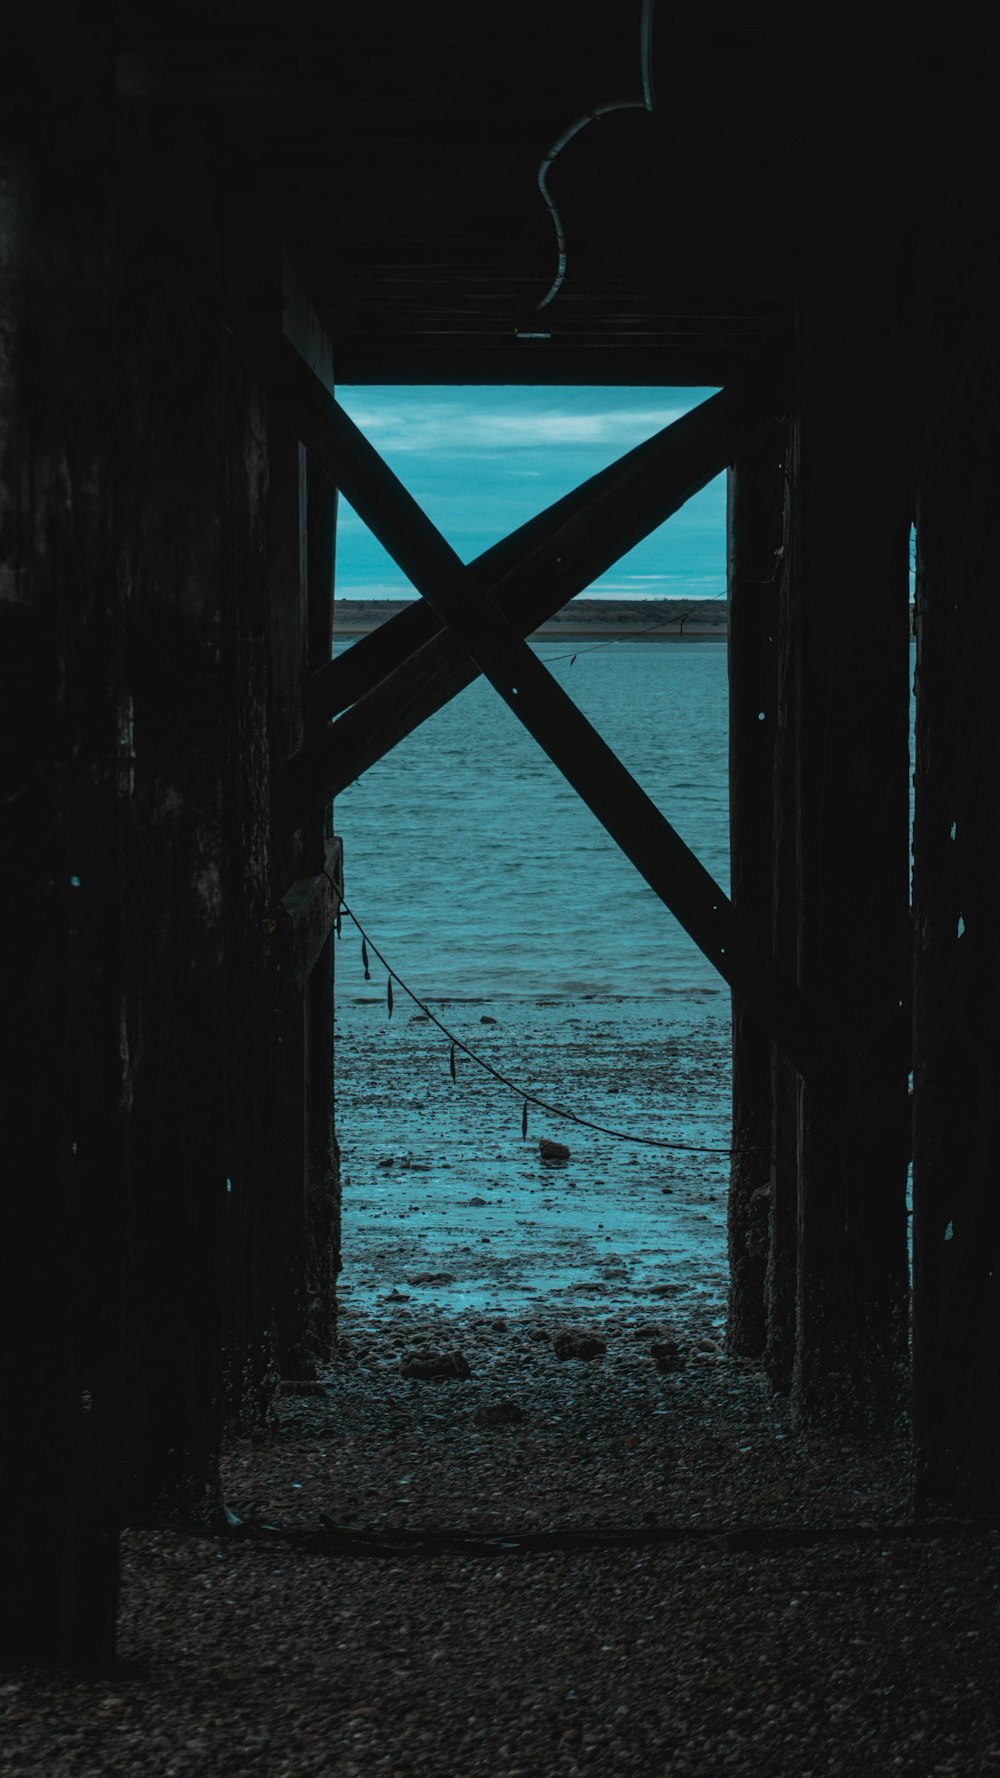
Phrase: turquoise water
[496,895]
[482,875]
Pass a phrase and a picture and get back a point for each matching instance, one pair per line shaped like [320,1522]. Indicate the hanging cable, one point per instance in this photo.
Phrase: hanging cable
[457,1043]
[646,103]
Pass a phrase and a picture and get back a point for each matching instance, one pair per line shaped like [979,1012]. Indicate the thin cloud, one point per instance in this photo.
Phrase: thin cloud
[444,427]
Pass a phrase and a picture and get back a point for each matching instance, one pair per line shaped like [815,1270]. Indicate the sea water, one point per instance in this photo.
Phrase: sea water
[531,942]
[551,985]
[486,877]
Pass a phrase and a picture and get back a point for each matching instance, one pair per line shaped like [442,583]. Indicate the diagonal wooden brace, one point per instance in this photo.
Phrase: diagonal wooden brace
[586,761]
[547,561]
[530,575]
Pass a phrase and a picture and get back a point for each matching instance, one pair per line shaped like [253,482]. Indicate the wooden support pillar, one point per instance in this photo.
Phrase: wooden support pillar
[956,893]
[850,587]
[755,507]
[183,873]
[305,1210]
[61,1118]
[781,1287]
[323,1182]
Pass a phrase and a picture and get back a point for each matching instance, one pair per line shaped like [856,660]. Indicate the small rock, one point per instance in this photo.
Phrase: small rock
[578,1345]
[552,1151]
[499,1413]
[475,1203]
[485,1019]
[431,1278]
[435,1364]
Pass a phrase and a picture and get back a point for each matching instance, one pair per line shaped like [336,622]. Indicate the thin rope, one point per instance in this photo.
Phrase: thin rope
[572,1117]
[613,641]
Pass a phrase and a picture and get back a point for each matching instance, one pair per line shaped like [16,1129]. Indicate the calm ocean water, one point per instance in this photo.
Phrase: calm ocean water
[500,900]
[481,875]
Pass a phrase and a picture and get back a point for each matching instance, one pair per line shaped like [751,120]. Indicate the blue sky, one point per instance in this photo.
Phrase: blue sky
[483,460]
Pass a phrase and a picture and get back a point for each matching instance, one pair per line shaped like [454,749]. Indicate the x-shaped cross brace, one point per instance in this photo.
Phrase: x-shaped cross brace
[478,620]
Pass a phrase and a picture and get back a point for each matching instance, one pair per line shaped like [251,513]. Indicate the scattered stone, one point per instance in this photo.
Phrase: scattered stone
[499,1413]
[578,1345]
[667,1354]
[430,1278]
[485,1019]
[396,1296]
[475,1203]
[552,1151]
[424,1365]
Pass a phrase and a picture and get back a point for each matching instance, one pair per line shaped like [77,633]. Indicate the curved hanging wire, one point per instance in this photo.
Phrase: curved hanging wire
[646,103]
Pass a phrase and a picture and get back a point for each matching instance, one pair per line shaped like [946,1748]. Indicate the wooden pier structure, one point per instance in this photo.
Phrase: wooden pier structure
[206,225]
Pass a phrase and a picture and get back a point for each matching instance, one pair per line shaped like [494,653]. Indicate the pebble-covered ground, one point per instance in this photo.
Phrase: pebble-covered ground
[628,1564]
[595,1545]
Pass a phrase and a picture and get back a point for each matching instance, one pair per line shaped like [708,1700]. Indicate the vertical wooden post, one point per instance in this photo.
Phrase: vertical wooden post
[852,733]
[289,625]
[182,855]
[755,505]
[956,892]
[323,1209]
[62,1104]
[782,1259]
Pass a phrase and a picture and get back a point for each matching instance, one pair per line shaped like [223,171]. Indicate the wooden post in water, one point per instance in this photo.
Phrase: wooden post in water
[956,897]
[323,1172]
[852,520]
[782,1258]
[755,504]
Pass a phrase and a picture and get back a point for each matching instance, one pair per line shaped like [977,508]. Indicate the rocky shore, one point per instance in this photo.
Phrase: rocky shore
[626,1564]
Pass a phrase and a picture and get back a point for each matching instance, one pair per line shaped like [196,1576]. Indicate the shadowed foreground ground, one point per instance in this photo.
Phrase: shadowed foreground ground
[774,1611]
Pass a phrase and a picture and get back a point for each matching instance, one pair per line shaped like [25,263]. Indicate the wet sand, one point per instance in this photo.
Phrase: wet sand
[448,1209]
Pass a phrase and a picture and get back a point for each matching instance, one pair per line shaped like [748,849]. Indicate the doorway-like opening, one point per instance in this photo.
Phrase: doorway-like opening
[526,936]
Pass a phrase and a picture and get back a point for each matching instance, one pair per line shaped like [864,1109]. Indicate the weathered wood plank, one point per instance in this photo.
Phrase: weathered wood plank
[852,776]
[586,761]
[956,895]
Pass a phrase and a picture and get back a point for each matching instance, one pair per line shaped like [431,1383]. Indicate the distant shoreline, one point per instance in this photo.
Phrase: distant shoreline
[647,620]
[582,620]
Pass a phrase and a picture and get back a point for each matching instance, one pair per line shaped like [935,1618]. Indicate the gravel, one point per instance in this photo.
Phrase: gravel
[768,1606]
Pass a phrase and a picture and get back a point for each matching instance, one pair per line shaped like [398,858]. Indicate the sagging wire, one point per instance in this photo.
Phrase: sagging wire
[613,641]
[646,103]
[456,1043]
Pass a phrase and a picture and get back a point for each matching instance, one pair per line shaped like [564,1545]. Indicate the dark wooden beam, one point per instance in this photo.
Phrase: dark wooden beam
[586,761]
[956,893]
[755,509]
[851,786]
[532,574]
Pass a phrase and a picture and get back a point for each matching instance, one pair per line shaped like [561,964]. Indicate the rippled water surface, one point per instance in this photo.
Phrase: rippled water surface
[482,875]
